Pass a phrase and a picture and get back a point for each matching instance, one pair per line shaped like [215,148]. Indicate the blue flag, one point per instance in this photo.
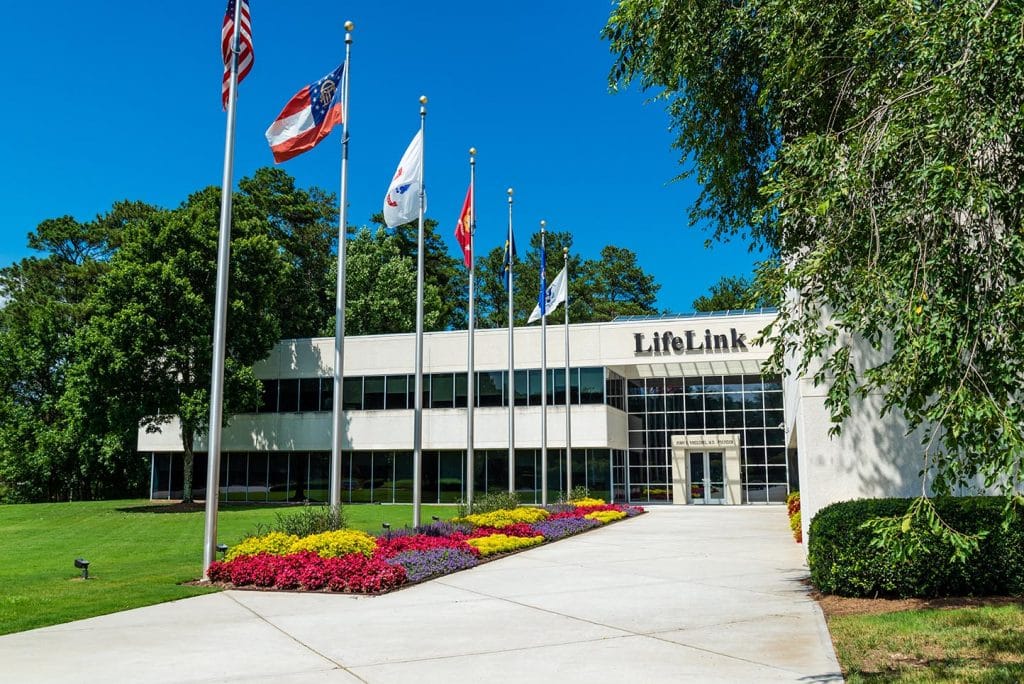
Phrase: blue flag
[510,257]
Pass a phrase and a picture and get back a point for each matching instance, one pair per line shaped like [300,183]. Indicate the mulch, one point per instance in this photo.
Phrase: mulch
[834,606]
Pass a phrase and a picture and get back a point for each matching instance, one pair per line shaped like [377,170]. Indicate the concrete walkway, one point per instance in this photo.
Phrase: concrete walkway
[681,594]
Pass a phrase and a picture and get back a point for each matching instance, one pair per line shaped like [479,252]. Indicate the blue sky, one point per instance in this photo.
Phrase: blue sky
[119,100]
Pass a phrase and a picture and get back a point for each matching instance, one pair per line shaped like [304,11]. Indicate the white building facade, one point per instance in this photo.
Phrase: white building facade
[673,409]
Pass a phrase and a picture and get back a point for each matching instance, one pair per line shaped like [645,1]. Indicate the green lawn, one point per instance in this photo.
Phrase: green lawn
[983,644]
[138,555]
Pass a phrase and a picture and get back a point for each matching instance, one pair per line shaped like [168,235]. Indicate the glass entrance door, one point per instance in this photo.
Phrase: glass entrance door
[707,477]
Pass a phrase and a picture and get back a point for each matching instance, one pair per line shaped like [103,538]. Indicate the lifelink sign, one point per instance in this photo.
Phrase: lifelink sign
[667,342]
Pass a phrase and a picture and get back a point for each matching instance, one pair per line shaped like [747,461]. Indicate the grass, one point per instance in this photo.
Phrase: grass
[139,553]
[983,644]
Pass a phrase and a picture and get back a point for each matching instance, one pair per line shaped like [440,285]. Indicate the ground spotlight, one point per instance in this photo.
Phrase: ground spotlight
[83,565]
[223,548]
[387,529]
[435,518]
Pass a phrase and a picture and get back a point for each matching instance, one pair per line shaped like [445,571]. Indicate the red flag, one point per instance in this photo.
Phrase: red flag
[245,53]
[464,230]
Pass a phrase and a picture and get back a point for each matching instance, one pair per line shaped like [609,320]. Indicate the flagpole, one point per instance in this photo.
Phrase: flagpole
[543,373]
[339,300]
[417,423]
[511,357]
[568,386]
[471,374]
[220,313]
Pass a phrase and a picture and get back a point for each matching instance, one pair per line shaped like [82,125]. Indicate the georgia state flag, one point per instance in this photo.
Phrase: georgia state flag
[401,204]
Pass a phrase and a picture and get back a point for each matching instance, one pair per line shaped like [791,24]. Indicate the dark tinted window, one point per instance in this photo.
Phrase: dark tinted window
[373,392]
[309,394]
[268,403]
[288,396]
[592,385]
[398,392]
[352,397]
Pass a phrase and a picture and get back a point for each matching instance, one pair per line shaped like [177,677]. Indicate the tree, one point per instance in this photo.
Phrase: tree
[305,225]
[380,289]
[149,344]
[442,272]
[731,292]
[599,290]
[46,303]
[877,148]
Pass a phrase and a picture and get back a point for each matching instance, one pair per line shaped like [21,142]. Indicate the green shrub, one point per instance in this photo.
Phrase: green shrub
[495,501]
[844,560]
[310,520]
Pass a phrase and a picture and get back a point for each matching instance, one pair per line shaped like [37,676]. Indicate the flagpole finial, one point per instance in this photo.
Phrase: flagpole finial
[565,251]
[509,191]
[472,151]
[349,26]
[543,223]
[423,99]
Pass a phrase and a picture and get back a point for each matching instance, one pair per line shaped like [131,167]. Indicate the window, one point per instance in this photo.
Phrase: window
[373,393]
[592,385]
[288,395]
[397,392]
[534,376]
[442,390]
[268,403]
[327,394]
[309,394]
[461,391]
[352,394]
[489,386]
[521,388]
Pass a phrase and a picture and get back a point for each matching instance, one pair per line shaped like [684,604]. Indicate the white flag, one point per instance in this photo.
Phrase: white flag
[401,204]
[555,295]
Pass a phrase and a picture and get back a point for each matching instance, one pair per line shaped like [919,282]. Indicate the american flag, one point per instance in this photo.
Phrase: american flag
[245,52]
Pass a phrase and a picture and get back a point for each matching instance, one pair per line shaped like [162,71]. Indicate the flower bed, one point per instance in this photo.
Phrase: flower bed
[355,562]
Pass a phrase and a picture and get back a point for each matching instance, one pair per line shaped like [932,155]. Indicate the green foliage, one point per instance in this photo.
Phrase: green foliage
[445,280]
[917,555]
[599,289]
[876,149]
[494,501]
[577,493]
[379,280]
[795,519]
[44,455]
[731,292]
[310,520]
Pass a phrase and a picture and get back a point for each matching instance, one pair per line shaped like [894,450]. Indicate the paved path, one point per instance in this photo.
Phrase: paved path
[683,594]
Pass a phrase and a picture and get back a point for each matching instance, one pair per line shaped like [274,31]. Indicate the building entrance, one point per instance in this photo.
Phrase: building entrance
[707,477]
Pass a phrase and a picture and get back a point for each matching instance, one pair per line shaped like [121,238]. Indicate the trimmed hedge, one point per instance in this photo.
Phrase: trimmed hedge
[843,560]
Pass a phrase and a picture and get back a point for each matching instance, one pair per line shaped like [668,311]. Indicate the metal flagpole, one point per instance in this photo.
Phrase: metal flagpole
[543,372]
[471,374]
[220,312]
[568,386]
[511,357]
[339,300]
[417,422]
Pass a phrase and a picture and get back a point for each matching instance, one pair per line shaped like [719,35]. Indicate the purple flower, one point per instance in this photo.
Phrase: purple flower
[421,565]
[564,527]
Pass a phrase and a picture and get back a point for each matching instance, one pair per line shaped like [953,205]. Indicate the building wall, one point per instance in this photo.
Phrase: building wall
[593,425]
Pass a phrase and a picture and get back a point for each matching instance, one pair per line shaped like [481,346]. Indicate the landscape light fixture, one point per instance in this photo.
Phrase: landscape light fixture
[223,548]
[387,529]
[435,518]
[83,565]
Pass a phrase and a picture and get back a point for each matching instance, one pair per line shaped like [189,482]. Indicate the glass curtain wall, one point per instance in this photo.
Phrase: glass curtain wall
[748,405]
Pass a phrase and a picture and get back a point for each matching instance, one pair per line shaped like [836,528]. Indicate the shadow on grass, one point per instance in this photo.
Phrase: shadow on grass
[199,506]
